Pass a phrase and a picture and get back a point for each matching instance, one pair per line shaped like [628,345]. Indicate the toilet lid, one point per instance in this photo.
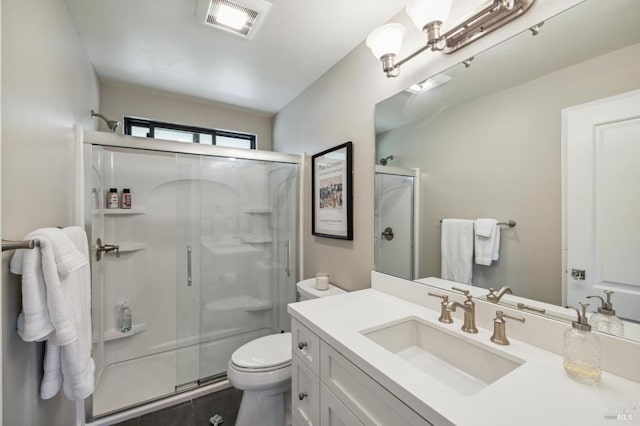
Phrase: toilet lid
[265,352]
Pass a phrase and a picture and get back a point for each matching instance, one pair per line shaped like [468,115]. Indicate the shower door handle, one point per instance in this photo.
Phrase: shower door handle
[189,279]
[287,268]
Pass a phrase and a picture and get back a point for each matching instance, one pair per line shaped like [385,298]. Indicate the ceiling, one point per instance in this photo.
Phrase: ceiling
[159,44]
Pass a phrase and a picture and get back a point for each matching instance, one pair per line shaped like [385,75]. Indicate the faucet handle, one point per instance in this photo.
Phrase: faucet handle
[499,328]
[465,292]
[461,290]
[445,314]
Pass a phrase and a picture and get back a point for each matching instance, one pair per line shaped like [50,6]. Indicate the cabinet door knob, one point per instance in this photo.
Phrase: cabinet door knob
[301,345]
[302,395]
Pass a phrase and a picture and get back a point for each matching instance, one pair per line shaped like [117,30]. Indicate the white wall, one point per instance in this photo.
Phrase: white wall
[48,85]
[514,164]
[340,107]
[118,101]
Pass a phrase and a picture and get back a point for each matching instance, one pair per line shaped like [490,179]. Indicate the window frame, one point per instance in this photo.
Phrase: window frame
[130,122]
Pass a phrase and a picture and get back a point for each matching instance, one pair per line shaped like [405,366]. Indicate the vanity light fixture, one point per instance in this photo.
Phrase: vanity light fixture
[428,16]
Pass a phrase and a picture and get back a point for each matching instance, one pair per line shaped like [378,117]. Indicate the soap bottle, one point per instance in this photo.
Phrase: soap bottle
[605,319]
[124,318]
[126,198]
[113,198]
[582,350]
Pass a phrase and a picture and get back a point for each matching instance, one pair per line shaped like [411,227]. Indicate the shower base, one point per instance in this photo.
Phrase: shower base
[149,378]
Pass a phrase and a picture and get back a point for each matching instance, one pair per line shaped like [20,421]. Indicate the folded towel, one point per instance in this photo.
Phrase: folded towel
[34,324]
[57,306]
[457,250]
[43,297]
[487,241]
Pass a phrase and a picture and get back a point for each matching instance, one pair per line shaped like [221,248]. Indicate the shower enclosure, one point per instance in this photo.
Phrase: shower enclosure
[206,261]
[396,221]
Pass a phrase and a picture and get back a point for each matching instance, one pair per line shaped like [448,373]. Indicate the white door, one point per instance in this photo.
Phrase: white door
[394,224]
[602,178]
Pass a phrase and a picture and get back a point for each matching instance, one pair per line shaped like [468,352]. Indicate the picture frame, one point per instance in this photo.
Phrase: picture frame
[332,192]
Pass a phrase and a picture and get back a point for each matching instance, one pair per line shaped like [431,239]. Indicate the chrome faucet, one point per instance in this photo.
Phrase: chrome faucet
[469,324]
[495,297]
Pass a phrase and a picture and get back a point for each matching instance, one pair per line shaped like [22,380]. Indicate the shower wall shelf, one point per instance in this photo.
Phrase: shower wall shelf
[128,247]
[257,211]
[114,334]
[245,303]
[121,212]
[257,239]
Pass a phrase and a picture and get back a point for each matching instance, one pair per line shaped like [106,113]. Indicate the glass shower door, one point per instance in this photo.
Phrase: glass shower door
[236,265]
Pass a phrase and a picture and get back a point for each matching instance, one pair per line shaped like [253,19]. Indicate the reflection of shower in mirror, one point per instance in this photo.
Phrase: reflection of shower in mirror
[385,160]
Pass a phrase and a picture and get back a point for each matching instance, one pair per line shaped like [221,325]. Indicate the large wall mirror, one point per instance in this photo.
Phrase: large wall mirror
[494,140]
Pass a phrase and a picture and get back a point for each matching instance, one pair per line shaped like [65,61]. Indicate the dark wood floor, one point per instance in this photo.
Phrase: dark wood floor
[196,412]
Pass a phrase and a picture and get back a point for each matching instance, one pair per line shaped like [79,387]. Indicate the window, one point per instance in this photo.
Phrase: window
[181,133]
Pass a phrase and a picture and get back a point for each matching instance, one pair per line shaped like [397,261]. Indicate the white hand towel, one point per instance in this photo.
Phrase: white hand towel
[457,250]
[487,241]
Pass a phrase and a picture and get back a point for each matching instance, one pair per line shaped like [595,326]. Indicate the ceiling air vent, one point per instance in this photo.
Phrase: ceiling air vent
[240,17]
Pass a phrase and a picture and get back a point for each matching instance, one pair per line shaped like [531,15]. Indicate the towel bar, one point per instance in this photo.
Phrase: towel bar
[15,245]
[509,223]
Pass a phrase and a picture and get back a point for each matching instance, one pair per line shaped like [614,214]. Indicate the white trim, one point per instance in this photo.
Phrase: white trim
[149,144]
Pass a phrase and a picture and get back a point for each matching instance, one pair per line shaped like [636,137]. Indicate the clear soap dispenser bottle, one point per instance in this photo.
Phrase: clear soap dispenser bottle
[124,318]
[605,319]
[582,350]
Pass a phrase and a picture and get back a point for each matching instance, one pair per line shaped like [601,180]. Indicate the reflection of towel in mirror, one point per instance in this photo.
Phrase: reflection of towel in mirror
[457,250]
[487,241]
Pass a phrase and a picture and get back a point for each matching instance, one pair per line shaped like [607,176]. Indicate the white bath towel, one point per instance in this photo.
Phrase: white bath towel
[65,271]
[457,250]
[487,241]
[42,293]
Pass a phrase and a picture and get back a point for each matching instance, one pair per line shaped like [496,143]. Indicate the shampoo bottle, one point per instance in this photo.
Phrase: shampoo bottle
[582,350]
[605,319]
[124,318]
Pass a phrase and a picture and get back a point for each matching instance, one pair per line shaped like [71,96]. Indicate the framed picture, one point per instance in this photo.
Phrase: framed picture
[332,192]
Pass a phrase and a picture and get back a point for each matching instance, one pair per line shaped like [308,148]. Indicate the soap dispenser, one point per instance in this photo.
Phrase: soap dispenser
[582,350]
[124,318]
[605,319]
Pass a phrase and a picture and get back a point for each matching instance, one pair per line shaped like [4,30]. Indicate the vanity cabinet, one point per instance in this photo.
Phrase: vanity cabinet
[328,389]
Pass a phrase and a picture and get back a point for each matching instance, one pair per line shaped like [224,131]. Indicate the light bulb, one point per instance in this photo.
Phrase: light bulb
[386,40]
[423,12]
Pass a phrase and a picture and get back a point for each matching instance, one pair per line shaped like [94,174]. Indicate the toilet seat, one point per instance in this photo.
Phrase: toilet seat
[267,353]
[263,364]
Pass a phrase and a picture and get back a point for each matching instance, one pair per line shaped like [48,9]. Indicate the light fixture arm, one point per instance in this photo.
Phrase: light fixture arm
[486,20]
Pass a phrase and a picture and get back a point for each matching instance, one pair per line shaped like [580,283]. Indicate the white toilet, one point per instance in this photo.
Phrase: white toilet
[262,369]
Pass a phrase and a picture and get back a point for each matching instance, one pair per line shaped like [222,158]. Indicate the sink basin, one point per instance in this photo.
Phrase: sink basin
[459,363]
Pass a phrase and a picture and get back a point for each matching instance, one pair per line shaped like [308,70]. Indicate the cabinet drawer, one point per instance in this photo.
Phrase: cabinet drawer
[305,393]
[367,399]
[306,345]
[333,412]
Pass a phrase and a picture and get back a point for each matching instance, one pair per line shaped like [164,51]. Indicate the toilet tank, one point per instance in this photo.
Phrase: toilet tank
[307,290]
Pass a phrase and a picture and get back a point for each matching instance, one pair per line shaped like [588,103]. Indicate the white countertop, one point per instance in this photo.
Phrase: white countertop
[537,392]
